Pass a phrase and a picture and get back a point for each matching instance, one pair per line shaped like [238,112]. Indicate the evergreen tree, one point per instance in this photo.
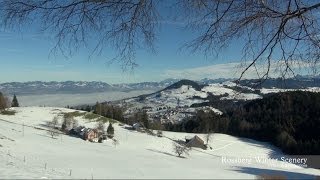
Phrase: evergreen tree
[15,102]
[88,108]
[110,130]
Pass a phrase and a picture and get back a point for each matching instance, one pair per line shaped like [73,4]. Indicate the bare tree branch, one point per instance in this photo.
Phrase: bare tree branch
[126,25]
[282,32]
[272,31]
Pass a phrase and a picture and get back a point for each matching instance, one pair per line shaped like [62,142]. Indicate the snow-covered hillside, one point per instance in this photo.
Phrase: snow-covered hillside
[186,95]
[181,100]
[28,152]
[225,88]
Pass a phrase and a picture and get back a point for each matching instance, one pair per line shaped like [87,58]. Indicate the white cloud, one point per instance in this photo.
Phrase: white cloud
[233,70]
[213,71]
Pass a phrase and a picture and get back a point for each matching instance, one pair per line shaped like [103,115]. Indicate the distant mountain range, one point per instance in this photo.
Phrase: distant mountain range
[80,87]
[68,87]
[298,82]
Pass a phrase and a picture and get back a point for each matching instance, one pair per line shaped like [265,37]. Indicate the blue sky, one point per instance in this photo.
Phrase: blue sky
[25,56]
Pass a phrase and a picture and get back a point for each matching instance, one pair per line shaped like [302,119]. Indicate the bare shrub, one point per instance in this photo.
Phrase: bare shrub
[52,127]
[209,137]
[180,149]
[3,102]
[68,123]
[100,127]
[159,133]
[115,142]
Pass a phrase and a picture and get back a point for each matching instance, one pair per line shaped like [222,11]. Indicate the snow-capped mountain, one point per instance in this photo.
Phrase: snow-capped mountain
[72,87]
[145,85]
[53,87]
[79,87]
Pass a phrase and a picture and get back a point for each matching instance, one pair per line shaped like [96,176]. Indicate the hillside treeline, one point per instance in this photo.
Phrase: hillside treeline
[289,120]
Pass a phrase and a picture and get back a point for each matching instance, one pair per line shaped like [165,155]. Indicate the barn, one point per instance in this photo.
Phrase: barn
[195,141]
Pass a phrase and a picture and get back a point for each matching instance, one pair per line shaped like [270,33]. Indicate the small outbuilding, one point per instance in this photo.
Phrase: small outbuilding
[195,141]
[77,131]
[137,126]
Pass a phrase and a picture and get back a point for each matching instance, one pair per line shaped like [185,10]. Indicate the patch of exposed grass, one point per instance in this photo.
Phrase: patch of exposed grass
[103,119]
[8,112]
[74,114]
[112,121]
[91,116]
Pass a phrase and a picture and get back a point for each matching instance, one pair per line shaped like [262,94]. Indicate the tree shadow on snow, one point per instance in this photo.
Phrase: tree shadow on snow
[274,153]
[44,125]
[47,136]
[161,152]
[278,174]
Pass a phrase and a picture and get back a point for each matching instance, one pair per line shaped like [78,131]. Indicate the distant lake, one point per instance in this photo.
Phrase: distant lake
[62,100]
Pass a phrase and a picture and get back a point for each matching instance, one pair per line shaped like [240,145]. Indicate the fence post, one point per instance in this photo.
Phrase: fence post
[23,129]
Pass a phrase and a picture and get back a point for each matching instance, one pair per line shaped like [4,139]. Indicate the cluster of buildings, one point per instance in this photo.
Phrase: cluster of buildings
[172,115]
[88,134]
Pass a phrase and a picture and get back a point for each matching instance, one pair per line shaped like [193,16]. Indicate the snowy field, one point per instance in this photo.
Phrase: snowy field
[62,100]
[26,152]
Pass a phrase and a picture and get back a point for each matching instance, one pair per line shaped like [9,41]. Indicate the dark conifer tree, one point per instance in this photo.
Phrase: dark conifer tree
[15,102]
[88,108]
[110,129]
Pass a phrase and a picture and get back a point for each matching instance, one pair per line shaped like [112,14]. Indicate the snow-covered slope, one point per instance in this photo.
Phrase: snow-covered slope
[182,99]
[226,88]
[186,95]
[277,90]
[27,152]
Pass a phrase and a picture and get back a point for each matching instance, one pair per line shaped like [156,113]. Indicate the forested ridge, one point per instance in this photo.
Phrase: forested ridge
[289,120]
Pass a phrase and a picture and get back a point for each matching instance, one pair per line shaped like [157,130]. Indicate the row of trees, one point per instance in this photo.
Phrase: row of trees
[289,120]
[4,102]
[140,116]
[109,111]
[116,112]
